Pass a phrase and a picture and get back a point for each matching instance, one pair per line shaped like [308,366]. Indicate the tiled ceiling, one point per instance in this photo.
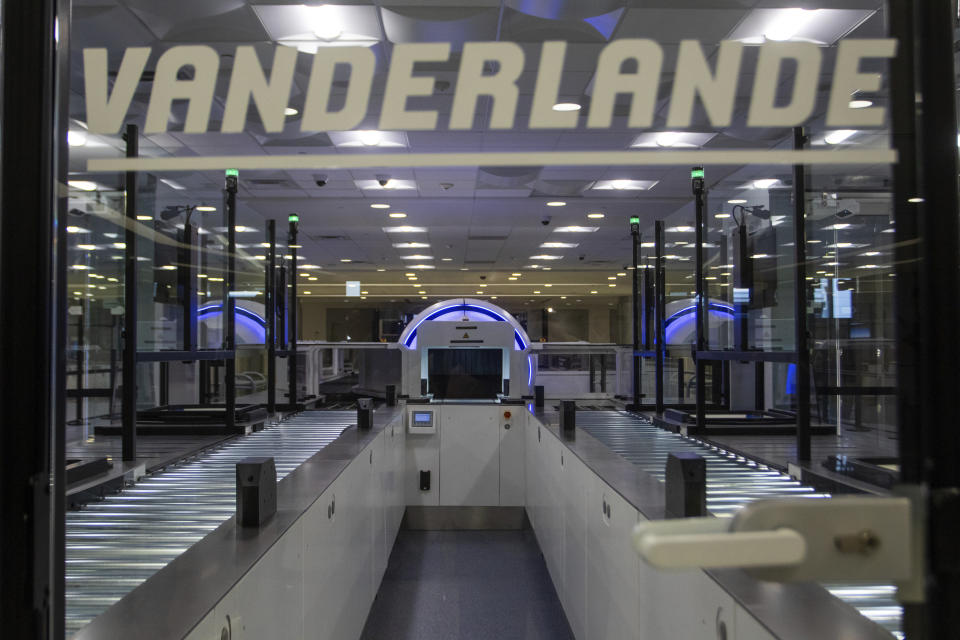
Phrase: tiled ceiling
[487,220]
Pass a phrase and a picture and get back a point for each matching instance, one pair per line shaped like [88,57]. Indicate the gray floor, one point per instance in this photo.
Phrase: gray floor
[466,585]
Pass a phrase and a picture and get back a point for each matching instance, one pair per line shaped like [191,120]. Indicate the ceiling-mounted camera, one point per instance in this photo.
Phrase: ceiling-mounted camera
[320,180]
[483,277]
[545,220]
[383,181]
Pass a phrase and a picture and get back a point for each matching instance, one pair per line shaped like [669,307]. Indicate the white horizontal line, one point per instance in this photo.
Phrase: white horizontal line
[504,159]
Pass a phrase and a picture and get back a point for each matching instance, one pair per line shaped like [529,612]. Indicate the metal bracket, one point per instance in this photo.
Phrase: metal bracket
[854,539]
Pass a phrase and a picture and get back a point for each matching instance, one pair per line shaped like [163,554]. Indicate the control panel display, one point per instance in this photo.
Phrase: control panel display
[421,422]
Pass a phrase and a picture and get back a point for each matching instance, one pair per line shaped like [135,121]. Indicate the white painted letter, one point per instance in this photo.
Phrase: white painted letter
[198,91]
[105,112]
[642,85]
[717,90]
[362,63]
[402,84]
[501,86]
[763,109]
[847,79]
[249,81]
[547,90]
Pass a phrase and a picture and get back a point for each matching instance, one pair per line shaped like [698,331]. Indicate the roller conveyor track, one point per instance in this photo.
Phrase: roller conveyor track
[732,482]
[115,544]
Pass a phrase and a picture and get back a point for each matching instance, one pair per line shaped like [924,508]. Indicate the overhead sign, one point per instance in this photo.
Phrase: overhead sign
[353,288]
[629,67]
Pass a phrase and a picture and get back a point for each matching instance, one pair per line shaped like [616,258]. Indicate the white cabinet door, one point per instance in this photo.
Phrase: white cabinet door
[552,544]
[512,445]
[575,481]
[612,567]
[322,598]
[269,600]
[534,472]
[377,504]
[706,606]
[469,456]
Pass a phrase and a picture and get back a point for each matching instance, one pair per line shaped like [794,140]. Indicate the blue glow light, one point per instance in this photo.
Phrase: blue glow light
[684,318]
[529,371]
[246,318]
[462,307]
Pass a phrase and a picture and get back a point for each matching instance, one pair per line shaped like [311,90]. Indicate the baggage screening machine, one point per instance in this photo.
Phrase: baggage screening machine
[467,365]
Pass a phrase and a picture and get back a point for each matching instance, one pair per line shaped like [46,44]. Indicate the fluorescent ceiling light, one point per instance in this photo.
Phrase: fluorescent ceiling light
[398,214]
[173,184]
[409,245]
[87,247]
[668,138]
[624,185]
[765,183]
[370,138]
[345,260]
[404,229]
[737,201]
[446,259]
[757,256]
[838,226]
[245,294]
[557,245]
[674,139]
[323,21]
[648,245]
[238,229]
[205,208]
[566,106]
[841,135]
[860,104]
[422,266]
[144,218]
[416,257]
[290,111]
[721,216]
[557,203]
[596,215]
[379,206]
[309,266]
[80,267]
[680,229]
[787,23]
[546,257]
[168,267]
[869,266]
[83,185]
[870,253]
[72,229]
[576,229]
[76,138]
[391,184]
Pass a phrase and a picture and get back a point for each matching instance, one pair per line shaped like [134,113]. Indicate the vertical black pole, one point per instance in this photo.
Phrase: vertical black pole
[698,185]
[940,291]
[271,313]
[292,311]
[80,363]
[661,301]
[31,343]
[128,417]
[635,311]
[229,302]
[802,384]
[188,285]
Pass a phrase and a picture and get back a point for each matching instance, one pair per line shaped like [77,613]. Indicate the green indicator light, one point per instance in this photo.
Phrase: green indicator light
[293,218]
[233,173]
[635,220]
[696,173]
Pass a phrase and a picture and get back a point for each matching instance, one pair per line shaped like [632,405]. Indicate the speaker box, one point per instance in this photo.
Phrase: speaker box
[256,491]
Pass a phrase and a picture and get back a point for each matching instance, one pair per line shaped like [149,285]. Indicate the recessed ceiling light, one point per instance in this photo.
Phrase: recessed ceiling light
[757,256]
[379,206]
[446,259]
[838,226]
[83,185]
[681,229]
[512,278]
[668,138]
[611,285]
[596,215]
[557,203]
[870,253]
[593,292]
[787,23]
[422,266]
[370,138]
[411,245]
[398,214]
[546,257]
[559,245]
[381,269]
[737,201]
[566,106]
[841,135]
[576,229]
[814,241]
[405,229]
[648,245]
[536,292]
[721,216]
[916,200]
[323,22]
[345,260]
[611,277]
[76,138]
[87,247]
[72,229]
[416,257]
[290,111]
[168,267]
[765,183]
[464,269]
[483,286]
[516,274]
[860,104]
[205,208]
[144,217]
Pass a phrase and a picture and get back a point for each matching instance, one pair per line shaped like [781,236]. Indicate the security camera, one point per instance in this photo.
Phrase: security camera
[483,277]
[383,180]
[582,257]
[545,220]
[320,180]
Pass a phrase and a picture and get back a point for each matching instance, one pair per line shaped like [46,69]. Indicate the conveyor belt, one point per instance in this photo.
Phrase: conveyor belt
[114,545]
[732,481]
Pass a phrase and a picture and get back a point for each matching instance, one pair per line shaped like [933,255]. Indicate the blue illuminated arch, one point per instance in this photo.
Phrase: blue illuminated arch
[252,321]
[683,318]
[442,311]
